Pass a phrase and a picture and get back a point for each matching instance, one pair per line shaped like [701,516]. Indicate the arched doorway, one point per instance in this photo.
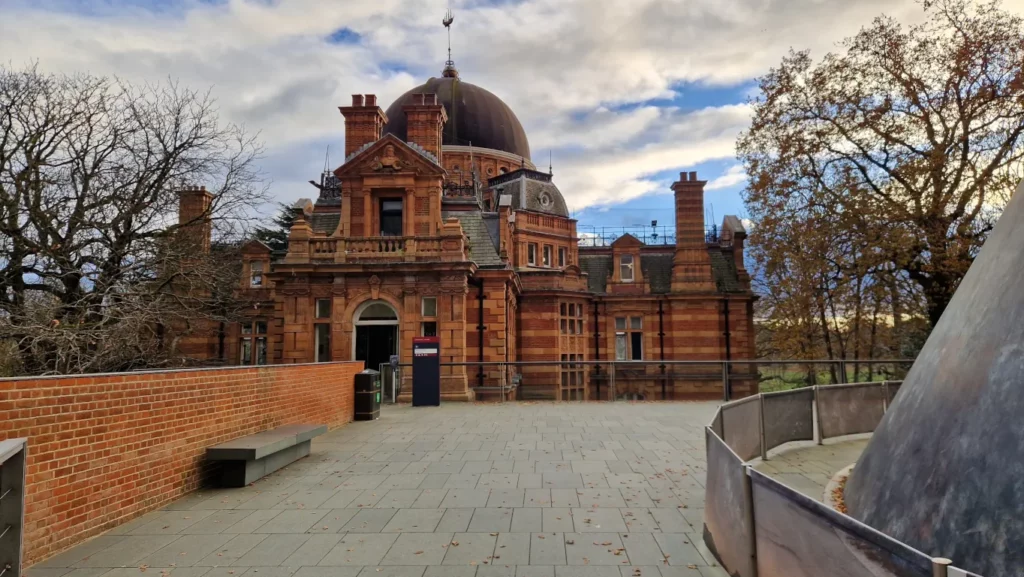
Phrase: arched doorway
[376,339]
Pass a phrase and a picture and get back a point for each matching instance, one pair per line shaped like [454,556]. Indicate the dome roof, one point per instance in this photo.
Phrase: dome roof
[474,116]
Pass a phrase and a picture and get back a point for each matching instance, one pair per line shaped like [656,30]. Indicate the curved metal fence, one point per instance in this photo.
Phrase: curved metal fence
[756,525]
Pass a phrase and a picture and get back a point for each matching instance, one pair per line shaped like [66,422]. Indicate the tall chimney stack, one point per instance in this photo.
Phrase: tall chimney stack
[194,217]
[425,119]
[364,122]
[691,267]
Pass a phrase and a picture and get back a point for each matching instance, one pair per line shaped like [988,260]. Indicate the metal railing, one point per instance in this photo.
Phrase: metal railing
[578,380]
[12,505]
[756,525]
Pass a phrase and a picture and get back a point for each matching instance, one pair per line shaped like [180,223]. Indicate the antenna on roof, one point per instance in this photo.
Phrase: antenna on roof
[449,65]
[550,171]
[327,158]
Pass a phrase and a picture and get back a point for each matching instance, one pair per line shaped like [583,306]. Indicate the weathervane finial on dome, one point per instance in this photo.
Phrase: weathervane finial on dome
[449,65]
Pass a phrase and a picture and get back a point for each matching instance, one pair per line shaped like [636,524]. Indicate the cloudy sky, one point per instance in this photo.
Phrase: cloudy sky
[625,94]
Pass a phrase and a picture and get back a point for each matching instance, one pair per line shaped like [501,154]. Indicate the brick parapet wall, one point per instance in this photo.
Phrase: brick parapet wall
[103,449]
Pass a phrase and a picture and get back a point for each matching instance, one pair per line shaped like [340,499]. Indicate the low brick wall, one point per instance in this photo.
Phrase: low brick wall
[103,449]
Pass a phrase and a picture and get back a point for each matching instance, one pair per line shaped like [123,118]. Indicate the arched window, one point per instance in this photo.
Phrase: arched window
[377,311]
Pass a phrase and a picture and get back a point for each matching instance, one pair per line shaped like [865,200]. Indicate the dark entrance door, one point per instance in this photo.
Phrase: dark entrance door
[375,344]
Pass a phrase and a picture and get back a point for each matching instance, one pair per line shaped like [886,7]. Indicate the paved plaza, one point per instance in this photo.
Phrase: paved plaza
[808,467]
[462,490]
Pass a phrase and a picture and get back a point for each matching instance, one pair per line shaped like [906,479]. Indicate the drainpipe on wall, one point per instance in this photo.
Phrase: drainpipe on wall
[597,350]
[220,341]
[479,283]
[661,344]
[728,344]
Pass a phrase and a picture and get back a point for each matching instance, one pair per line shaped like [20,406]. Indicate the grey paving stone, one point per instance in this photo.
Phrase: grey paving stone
[414,521]
[536,497]
[496,571]
[639,520]
[470,549]
[392,571]
[218,522]
[273,550]
[363,482]
[327,572]
[636,497]
[418,549]
[565,480]
[557,520]
[490,520]
[455,521]
[449,571]
[341,499]
[512,549]
[305,500]
[369,521]
[266,499]
[598,520]
[476,467]
[575,571]
[186,551]
[642,549]
[430,499]
[72,556]
[600,498]
[398,499]
[669,571]
[594,549]
[678,549]
[433,481]
[466,498]
[279,571]
[462,481]
[253,521]
[670,520]
[359,549]
[127,551]
[565,497]
[171,522]
[293,521]
[640,571]
[547,549]
[45,571]
[527,520]
[366,499]
[535,571]
[506,498]
[334,521]
[313,550]
[229,553]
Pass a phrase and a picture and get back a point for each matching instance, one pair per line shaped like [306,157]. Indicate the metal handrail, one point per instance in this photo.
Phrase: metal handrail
[12,516]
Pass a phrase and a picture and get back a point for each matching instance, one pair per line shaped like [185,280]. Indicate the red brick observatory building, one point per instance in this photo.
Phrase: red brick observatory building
[437,223]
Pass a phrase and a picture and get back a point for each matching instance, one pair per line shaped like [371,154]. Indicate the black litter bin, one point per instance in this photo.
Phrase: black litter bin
[367,401]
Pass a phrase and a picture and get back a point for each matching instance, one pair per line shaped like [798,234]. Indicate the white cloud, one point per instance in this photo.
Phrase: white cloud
[580,74]
[735,175]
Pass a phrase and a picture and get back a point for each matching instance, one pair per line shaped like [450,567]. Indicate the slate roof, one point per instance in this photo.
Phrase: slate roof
[657,270]
[325,222]
[598,268]
[483,247]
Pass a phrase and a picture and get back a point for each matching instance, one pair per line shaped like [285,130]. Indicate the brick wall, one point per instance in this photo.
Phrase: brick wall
[106,448]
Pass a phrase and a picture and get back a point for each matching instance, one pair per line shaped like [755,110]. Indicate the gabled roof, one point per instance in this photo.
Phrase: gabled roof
[483,245]
[627,240]
[409,155]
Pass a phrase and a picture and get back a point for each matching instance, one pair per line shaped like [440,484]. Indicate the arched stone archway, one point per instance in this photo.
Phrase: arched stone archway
[376,333]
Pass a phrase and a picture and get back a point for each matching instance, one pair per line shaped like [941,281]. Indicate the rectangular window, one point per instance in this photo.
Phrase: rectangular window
[626,268]
[531,253]
[571,318]
[429,308]
[561,257]
[323,342]
[629,345]
[256,274]
[564,324]
[253,344]
[323,308]
[429,329]
[547,254]
[391,217]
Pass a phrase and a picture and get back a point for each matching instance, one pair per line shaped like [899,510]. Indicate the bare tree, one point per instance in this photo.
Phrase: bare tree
[95,269]
[916,132]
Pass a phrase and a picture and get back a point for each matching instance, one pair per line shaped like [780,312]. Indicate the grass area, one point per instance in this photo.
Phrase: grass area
[784,378]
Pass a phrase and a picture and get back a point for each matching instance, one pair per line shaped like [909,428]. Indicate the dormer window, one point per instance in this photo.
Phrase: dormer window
[256,274]
[626,268]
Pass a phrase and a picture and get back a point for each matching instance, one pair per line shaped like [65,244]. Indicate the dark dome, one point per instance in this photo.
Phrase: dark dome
[474,116]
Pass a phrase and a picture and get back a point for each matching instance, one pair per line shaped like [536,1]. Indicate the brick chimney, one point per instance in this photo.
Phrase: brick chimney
[691,267]
[364,121]
[194,216]
[425,119]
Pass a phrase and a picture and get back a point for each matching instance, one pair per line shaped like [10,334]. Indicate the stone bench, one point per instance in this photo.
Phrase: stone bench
[245,459]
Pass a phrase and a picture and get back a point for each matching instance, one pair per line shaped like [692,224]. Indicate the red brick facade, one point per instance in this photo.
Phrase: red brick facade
[103,449]
[431,236]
